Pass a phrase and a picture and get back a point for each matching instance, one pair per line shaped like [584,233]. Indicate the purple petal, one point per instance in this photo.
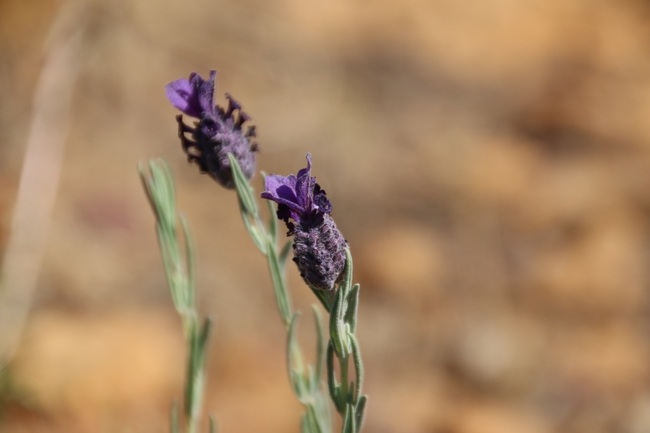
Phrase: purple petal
[305,186]
[281,190]
[297,209]
[306,171]
[273,182]
[206,92]
[181,95]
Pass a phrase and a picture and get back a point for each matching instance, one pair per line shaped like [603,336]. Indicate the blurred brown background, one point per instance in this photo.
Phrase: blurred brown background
[488,161]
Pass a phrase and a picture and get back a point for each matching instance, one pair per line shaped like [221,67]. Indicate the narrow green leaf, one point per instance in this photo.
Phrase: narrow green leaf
[254,233]
[170,267]
[294,365]
[163,192]
[320,349]
[281,294]
[243,188]
[169,189]
[284,253]
[258,234]
[322,297]
[312,416]
[358,366]
[337,325]
[203,339]
[195,380]
[192,373]
[145,179]
[360,411]
[347,276]
[213,425]
[189,262]
[273,219]
[348,420]
[332,385]
[353,307]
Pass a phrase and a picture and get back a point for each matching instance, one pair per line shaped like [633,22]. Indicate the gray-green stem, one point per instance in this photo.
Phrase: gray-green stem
[178,262]
[316,418]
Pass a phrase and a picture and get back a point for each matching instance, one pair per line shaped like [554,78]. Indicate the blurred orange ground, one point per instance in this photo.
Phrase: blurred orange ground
[488,162]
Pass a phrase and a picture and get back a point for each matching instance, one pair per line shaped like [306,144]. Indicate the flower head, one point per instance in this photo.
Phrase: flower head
[319,247]
[217,132]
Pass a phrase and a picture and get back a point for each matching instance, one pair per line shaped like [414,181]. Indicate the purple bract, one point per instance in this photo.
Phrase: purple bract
[194,96]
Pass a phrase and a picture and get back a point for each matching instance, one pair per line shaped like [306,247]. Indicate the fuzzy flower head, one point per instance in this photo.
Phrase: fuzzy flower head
[319,247]
[217,132]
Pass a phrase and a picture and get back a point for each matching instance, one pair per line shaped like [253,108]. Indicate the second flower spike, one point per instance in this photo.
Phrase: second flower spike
[217,132]
[319,247]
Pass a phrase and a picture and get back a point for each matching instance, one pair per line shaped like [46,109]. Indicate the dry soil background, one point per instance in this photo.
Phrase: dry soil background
[488,161]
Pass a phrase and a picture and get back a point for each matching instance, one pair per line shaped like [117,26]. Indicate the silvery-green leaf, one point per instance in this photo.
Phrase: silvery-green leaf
[338,333]
[348,420]
[294,358]
[322,297]
[353,307]
[358,366]
[360,411]
[281,293]
[332,385]
[189,261]
[320,348]
[253,231]
[284,253]
[243,188]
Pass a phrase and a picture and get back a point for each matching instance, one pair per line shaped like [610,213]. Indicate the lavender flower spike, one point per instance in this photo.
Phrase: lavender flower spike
[217,132]
[319,247]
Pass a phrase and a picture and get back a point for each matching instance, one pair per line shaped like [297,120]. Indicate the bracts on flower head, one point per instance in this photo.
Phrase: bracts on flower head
[217,132]
[319,247]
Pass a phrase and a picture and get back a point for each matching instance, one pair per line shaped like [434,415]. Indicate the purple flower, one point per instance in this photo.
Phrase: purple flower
[319,247]
[217,131]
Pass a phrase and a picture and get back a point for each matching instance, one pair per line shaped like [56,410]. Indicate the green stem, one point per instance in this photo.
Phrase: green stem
[178,262]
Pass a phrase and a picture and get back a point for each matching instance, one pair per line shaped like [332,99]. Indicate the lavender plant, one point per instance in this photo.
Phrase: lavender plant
[325,264]
[221,148]
[178,261]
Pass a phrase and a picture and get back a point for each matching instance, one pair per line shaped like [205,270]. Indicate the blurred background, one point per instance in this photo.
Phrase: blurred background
[488,162]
